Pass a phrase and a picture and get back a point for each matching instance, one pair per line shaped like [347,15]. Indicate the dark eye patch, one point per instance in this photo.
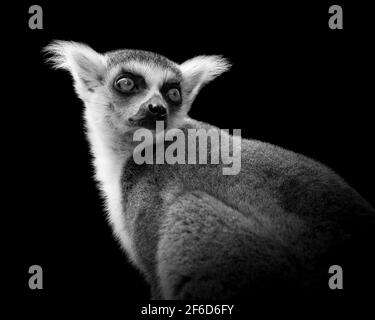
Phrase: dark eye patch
[138,80]
[168,86]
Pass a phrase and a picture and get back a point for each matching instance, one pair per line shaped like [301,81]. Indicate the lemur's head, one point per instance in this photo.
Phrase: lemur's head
[128,89]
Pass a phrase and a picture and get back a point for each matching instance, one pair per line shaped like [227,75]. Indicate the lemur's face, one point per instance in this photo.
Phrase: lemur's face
[129,89]
[141,88]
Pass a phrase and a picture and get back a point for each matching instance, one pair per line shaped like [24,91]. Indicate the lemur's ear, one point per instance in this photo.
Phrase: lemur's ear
[85,65]
[200,70]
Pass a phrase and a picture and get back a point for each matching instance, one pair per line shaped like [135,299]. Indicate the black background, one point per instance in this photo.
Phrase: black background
[294,83]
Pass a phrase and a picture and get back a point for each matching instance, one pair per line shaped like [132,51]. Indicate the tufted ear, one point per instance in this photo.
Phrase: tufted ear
[86,66]
[200,70]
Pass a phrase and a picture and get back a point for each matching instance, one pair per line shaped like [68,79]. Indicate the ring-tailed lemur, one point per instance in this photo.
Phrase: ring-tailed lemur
[192,231]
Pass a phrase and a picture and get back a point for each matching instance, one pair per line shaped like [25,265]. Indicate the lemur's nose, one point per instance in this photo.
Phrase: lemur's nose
[157,109]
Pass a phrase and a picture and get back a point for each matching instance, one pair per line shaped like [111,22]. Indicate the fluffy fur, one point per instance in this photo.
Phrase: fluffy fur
[194,233]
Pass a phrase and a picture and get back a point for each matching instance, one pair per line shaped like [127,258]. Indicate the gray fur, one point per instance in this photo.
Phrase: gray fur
[268,228]
[117,57]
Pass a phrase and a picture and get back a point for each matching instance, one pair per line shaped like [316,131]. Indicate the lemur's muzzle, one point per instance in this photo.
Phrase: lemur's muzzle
[150,111]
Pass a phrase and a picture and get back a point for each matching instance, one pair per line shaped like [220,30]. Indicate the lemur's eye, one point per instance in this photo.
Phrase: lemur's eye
[174,95]
[125,84]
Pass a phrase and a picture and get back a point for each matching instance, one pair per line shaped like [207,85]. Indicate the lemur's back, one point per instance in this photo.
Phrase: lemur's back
[280,223]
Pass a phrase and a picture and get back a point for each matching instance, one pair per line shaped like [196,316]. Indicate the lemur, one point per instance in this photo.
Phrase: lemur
[193,232]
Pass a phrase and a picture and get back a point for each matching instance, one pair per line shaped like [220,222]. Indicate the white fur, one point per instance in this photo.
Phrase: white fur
[108,166]
[200,70]
[85,64]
